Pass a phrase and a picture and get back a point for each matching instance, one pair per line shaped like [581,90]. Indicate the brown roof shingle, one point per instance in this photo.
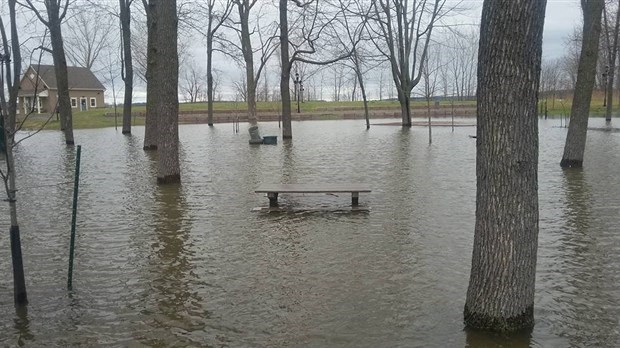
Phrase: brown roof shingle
[79,78]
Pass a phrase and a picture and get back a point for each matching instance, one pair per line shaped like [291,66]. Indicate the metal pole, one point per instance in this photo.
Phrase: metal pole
[74,216]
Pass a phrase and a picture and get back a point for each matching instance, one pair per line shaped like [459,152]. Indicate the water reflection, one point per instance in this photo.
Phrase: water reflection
[22,326]
[586,267]
[193,265]
[483,339]
[178,307]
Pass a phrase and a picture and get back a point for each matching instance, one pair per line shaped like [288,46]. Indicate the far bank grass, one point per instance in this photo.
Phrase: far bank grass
[105,117]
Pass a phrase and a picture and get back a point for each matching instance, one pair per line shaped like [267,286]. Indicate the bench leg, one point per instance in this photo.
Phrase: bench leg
[273,199]
[355,197]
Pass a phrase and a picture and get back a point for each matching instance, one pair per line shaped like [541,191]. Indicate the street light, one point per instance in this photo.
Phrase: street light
[298,88]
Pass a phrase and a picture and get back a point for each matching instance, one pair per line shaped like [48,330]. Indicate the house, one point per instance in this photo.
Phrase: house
[38,91]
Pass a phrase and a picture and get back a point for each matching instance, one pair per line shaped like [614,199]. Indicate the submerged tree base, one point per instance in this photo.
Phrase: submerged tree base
[169,179]
[19,283]
[150,148]
[126,132]
[569,163]
[70,142]
[498,324]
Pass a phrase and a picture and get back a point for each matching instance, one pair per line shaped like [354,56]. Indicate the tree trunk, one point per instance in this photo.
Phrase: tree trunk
[586,75]
[62,80]
[9,124]
[428,113]
[167,93]
[612,68]
[287,130]
[405,108]
[360,79]
[500,296]
[152,57]
[248,57]
[210,66]
[125,17]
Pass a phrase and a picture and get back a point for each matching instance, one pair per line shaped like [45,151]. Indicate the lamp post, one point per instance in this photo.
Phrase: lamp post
[298,89]
[605,73]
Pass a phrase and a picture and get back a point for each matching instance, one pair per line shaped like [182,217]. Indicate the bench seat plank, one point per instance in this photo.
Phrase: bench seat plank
[312,188]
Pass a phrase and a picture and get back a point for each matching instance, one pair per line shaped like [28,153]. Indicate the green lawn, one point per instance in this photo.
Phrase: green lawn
[104,117]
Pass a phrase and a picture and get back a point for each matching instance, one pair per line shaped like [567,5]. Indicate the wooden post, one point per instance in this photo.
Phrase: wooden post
[355,196]
[273,199]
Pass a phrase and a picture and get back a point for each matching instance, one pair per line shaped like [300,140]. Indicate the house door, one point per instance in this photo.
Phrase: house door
[83,104]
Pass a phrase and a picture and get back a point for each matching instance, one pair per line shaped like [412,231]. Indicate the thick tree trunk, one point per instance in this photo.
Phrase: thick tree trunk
[167,93]
[405,108]
[586,75]
[500,296]
[125,16]
[152,57]
[287,130]
[62,81]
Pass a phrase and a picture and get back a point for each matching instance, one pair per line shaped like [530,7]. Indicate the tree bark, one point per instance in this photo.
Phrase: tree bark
[125,18]
[152,113]
[60,69]
[500,296]
[167,86]
[287,128]
[586,75]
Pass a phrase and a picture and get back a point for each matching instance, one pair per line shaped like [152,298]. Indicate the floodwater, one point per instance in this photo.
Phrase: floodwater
[193,265]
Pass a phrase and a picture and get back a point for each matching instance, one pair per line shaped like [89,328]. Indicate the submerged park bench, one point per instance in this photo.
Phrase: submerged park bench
[272,190]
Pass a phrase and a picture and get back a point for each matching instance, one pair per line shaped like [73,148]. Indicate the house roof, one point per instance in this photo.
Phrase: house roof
[79,78]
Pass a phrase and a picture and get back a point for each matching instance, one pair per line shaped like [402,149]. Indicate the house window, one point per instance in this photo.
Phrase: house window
[73,102]
[93,102]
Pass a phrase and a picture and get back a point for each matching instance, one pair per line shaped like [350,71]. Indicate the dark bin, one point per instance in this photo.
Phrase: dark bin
[270,140]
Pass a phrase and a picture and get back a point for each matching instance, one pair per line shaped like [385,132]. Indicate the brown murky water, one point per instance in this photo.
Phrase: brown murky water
[193,265]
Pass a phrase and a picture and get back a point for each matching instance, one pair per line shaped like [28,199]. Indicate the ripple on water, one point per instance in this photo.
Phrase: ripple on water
[192,264]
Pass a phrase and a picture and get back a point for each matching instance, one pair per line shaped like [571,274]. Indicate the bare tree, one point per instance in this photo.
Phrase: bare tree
[56,12]
[401,32]
[500,296]
[430,80]
[355,19]
[241,89]
[8,114]
[216,16]
[192,84]
[550,79]
[247,24]
[580,110]
[87,37]
[339,79]
[127,62]
[612,53]
[314,22]
[570,61]
[463,52]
